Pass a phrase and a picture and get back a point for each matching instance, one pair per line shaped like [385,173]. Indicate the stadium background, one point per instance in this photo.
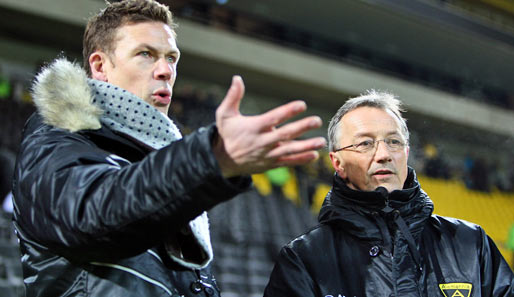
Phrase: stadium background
[451,62]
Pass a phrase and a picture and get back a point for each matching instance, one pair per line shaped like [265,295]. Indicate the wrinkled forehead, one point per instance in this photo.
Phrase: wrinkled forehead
[369,121]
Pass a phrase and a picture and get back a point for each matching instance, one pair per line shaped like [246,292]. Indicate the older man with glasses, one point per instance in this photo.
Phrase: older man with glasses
[377,235]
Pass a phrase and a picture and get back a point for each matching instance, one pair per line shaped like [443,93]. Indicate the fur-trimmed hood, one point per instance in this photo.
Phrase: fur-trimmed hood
[67,99]
[64,99]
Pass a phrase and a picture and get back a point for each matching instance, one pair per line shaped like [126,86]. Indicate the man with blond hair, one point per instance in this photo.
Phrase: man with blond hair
[377,235]
[109,199]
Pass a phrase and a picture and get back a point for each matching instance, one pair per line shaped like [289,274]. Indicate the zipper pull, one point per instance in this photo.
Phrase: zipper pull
[383,191]
[387,208]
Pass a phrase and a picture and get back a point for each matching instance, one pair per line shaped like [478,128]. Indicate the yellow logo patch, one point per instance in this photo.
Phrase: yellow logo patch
[456,289]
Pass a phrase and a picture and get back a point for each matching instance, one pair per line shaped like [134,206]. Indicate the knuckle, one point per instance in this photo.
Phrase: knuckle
[286,135]
[274,120]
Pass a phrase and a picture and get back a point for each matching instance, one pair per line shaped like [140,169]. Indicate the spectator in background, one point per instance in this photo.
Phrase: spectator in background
[110,200]
[479,175]
[377,235]
[435,165]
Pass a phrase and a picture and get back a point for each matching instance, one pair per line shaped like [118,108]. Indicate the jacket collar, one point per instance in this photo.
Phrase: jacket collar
[375,200]
[354,209]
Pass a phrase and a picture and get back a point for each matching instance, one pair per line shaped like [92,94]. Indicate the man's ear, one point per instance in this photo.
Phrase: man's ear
[97,63]
[338,164]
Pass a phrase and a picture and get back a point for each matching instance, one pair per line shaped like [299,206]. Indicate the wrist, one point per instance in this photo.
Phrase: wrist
[225,163]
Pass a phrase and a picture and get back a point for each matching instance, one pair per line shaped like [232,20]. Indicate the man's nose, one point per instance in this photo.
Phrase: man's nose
[163,70]
[382,153]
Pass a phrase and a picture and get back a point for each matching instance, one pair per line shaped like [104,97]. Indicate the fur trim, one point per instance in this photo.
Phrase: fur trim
[63,97]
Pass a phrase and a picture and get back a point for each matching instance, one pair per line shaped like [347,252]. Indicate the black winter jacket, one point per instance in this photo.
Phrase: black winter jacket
[389,244]
[93,209]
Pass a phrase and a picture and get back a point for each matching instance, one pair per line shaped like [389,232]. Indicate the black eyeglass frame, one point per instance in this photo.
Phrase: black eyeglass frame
[375,145]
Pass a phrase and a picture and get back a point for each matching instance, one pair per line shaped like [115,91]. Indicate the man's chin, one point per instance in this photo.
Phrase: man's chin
[163,108]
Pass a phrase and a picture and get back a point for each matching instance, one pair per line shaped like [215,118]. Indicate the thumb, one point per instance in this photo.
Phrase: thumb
[231,102]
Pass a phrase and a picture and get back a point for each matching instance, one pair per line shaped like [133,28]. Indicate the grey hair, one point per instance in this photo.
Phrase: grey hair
[371,98]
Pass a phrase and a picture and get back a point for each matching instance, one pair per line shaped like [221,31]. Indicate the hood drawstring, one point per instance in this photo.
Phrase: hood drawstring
[402,226]
[400,222]
[404,229]
[386,236]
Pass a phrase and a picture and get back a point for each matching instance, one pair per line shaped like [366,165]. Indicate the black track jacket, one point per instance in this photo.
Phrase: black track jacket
[389,244]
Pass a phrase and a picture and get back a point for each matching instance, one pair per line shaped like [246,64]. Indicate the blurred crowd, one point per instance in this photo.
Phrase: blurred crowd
[222,17]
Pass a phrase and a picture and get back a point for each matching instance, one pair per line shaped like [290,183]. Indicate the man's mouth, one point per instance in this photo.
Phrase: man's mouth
[382,172]
[162,96]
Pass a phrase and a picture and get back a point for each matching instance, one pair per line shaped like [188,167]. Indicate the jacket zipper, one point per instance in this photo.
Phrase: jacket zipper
[136,274]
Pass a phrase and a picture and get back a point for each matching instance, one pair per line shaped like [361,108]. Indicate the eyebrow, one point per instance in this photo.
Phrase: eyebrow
[369,134]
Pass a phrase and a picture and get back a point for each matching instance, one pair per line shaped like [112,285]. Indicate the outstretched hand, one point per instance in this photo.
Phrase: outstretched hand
[252,144]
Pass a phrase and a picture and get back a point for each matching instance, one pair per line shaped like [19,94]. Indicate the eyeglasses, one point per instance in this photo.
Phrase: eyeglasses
[393,144]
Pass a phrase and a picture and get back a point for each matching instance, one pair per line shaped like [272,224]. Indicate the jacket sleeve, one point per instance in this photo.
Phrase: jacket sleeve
[290,277]
[497,277]
[77,199]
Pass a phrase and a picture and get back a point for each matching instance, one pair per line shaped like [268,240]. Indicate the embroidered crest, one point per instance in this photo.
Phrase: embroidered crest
[456,289]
